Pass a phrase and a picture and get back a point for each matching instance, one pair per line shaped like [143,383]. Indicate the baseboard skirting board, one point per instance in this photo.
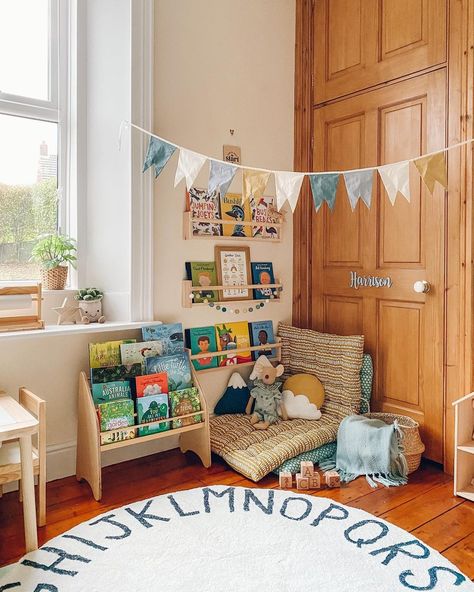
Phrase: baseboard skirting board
[61,458]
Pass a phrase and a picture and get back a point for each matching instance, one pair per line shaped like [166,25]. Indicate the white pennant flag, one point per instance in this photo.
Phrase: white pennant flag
[288,187]
[396,178]
[189,165]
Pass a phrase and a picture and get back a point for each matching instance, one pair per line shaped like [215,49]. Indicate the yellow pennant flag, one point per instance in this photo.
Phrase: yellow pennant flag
[433,168]
[254,183]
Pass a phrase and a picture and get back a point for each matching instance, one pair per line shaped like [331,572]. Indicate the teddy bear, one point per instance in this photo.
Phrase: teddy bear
[266,393]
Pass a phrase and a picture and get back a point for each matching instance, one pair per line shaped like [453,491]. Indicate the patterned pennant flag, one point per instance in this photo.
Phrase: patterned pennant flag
[220,176]
[433,168]
[324,188]
[396,179]
[254,183]
[288,187]
[158,154]
[359,185]
[189,165]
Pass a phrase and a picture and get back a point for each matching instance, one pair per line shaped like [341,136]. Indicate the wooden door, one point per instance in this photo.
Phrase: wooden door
[404,330]
[361,43]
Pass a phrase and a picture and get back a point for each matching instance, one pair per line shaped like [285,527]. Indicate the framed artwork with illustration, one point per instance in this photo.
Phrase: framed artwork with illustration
[233,269]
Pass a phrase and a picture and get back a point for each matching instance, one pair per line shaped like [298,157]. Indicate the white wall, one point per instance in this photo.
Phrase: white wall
[221,65]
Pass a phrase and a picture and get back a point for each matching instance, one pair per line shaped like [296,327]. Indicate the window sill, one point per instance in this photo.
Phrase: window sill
[50,330]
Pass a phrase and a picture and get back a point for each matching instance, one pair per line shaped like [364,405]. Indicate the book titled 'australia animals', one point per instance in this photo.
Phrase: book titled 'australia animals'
[107,353]
[203,274]
[202,340]
[170,336]
[111,391]
[176,367]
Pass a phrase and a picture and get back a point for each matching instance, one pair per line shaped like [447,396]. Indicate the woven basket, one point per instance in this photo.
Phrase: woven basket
[413,447]
[54,279]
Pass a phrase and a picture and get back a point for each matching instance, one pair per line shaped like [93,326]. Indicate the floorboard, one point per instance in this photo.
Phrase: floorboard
[426,506]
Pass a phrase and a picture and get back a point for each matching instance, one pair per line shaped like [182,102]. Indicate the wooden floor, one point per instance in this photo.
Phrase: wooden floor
[426,506]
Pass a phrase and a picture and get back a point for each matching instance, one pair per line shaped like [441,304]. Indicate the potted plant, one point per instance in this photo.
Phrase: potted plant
[54,252]
[90,305]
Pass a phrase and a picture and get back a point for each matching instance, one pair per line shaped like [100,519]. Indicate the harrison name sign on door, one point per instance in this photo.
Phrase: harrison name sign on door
[369,281]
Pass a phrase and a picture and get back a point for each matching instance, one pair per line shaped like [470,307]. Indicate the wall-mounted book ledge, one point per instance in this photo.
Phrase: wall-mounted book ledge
[194,436]
[189,293]
[199,228]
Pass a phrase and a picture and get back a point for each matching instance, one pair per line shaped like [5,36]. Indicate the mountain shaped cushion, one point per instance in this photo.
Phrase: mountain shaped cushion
[235,396]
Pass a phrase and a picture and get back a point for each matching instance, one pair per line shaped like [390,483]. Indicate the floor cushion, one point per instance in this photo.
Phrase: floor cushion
[336,360]
[323,452]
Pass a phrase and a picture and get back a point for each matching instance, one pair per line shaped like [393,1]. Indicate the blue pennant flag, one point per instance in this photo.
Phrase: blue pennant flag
[220,176]
[158,154]
[359,184]
[324,188]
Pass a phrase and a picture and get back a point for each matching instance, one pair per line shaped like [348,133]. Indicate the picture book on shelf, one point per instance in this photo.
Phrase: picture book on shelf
[116,414]
[113,373]
[118,436]
[133,353]
[261,333]
[203,273]
[111,391]
[231,336]
[263,212]
[176,367]
[205,206]
[152,384]
[232,208]
[153,408]
[182,402]
[201,340]
[107,353]
[170,336]
[262,273]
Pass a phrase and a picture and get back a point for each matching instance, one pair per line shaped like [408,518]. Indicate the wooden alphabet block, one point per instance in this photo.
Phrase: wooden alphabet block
[332,479]
[302,482]
[315,481]
[306,468]
[286,480]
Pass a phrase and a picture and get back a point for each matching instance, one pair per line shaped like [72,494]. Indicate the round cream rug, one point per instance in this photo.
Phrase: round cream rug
[234,539]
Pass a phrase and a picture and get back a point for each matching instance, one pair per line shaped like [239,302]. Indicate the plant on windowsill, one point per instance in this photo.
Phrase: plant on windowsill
[90,305]
[54,252]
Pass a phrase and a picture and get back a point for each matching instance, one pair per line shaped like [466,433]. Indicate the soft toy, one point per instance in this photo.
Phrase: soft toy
[303,396]
[266,393]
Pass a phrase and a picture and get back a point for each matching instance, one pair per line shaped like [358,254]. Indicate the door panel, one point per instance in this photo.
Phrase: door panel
[362,43]
[403,329]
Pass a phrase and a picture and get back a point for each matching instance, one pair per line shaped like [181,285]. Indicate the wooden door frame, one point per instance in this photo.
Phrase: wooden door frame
[459,231]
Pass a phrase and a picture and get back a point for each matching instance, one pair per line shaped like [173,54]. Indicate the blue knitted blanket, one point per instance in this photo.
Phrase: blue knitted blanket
[369,447]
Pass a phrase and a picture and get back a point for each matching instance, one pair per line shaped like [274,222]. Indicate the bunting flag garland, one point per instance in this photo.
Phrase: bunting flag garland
[254,183]
[432,168]
[189,165]
[220,176]
[359,185]
[396,179]
[288,187]
[323,188]
[359,182]
[158,154]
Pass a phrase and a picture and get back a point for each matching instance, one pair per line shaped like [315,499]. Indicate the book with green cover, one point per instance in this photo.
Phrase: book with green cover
[113,373]
[153,408]
[183,402]
[203,274]
[201,340]
[116,414]
[111,391]
[107,353]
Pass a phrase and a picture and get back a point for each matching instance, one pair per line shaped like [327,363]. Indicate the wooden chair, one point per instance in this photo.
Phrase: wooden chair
[10,467]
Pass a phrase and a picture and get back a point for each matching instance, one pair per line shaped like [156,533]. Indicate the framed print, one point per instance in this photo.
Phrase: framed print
[233,269]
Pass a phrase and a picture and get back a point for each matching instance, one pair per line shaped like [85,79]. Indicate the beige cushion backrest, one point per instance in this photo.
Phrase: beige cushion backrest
[336,360]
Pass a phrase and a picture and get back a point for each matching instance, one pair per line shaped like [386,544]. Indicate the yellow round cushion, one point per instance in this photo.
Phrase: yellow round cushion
[306,384]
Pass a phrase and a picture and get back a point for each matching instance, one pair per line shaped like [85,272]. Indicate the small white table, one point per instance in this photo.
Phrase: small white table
[16,422]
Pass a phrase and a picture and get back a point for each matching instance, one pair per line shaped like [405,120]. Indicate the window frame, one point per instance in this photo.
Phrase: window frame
[55,109]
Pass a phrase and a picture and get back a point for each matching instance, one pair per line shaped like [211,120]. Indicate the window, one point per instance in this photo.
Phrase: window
[32,129]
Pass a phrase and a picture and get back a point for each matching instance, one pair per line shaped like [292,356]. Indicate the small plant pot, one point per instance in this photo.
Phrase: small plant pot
[91,311]
[54,279]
